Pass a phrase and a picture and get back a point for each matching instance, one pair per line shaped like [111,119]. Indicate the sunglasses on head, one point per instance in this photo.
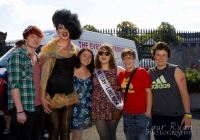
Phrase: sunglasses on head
[105,53]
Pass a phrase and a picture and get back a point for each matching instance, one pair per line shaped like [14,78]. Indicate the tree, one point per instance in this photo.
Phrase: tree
[127,30]
[167,33]
[90,28]
[166,26]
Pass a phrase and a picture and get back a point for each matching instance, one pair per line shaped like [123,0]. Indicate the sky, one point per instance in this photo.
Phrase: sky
[16,15]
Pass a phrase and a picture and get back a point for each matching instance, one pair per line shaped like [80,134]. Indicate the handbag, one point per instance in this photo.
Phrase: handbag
[118,114]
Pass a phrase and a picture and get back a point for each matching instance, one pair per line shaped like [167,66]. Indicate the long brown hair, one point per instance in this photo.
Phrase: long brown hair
[112,61]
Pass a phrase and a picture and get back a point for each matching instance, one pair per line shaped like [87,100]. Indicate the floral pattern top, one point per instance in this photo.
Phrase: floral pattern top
[102,108]
[81,118]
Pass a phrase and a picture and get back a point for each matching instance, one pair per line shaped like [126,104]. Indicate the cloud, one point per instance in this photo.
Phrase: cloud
[181,4]
[21,13]
[5,2]
[18,15]
[33,12]
[101,22]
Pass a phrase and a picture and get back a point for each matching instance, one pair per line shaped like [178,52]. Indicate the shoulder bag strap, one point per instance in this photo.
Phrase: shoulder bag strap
[127,86]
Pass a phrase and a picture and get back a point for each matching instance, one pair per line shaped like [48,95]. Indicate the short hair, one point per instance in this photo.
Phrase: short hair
[128,51]
[78,62]
[32,30]
[161,46]
[19,42]
[69,20]
[112,61]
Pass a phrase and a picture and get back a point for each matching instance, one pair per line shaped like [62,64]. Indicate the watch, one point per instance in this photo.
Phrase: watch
[189,115]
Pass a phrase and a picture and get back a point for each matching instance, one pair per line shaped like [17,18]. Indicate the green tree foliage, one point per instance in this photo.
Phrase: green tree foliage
[90,28]
[166,27]
[127,30]
[167,33]
[192,77]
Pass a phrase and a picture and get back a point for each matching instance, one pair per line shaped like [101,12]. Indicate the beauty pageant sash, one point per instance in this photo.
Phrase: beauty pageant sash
[108,90]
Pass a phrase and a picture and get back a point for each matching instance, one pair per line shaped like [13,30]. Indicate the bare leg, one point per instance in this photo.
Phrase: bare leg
[77,134]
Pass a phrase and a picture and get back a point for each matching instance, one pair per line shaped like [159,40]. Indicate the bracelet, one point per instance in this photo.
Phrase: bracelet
[188,115]
[148,112]
[187,112]
[20,112]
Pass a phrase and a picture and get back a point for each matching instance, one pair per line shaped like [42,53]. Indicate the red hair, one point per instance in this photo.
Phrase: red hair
[32,30]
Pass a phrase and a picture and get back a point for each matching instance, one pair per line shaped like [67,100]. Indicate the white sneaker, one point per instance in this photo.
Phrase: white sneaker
[6,131]
[46,134]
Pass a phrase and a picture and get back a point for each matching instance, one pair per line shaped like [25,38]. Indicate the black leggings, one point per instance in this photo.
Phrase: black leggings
[60,122]
[107,129]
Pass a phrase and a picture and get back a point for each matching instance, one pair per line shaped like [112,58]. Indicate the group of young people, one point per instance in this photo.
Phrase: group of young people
[75,89]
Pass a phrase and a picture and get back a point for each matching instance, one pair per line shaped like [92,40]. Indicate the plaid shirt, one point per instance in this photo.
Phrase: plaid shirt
[20,75]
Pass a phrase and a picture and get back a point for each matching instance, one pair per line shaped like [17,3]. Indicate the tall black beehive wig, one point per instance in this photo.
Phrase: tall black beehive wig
[69,20]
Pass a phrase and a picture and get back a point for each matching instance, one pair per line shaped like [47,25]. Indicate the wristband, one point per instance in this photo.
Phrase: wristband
[187,113]
[20,112]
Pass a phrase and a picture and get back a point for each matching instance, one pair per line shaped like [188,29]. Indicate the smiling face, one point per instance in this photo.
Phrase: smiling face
[33,41]
[63,32]
[85,58]
[104,56]
[128,62]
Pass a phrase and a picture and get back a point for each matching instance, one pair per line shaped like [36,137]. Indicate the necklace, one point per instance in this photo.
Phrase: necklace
[163,72]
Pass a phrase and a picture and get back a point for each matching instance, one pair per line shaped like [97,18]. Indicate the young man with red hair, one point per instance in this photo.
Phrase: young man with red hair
[23,87]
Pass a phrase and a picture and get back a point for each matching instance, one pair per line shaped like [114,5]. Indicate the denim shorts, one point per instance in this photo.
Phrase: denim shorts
[137,126]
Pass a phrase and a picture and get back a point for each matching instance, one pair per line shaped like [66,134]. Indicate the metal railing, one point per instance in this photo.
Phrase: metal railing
[143,35]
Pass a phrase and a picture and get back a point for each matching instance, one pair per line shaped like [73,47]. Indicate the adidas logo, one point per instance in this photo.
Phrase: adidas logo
[160,83]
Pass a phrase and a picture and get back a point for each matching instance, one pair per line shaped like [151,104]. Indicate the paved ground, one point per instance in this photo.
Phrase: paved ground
[91,134]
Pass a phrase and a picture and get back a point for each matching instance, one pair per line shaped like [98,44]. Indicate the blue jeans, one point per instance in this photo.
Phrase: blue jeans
[137,126]
[32,129]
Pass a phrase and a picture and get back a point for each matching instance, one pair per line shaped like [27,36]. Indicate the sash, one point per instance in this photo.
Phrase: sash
[108,89]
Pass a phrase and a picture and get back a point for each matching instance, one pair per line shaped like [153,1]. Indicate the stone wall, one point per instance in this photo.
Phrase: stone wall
[185,55]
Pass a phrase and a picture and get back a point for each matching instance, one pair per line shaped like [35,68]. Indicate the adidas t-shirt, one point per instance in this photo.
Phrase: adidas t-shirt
[166,96]
[136,101]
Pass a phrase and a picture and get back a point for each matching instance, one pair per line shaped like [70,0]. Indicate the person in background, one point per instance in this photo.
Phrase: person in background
[171,117]
[57,89]
[18,45]
[102,106]
[8,113]
[138,101]
[23,87]
[81,118]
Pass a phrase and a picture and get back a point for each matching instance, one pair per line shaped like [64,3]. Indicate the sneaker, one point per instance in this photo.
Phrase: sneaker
[6,131]
[46,134]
